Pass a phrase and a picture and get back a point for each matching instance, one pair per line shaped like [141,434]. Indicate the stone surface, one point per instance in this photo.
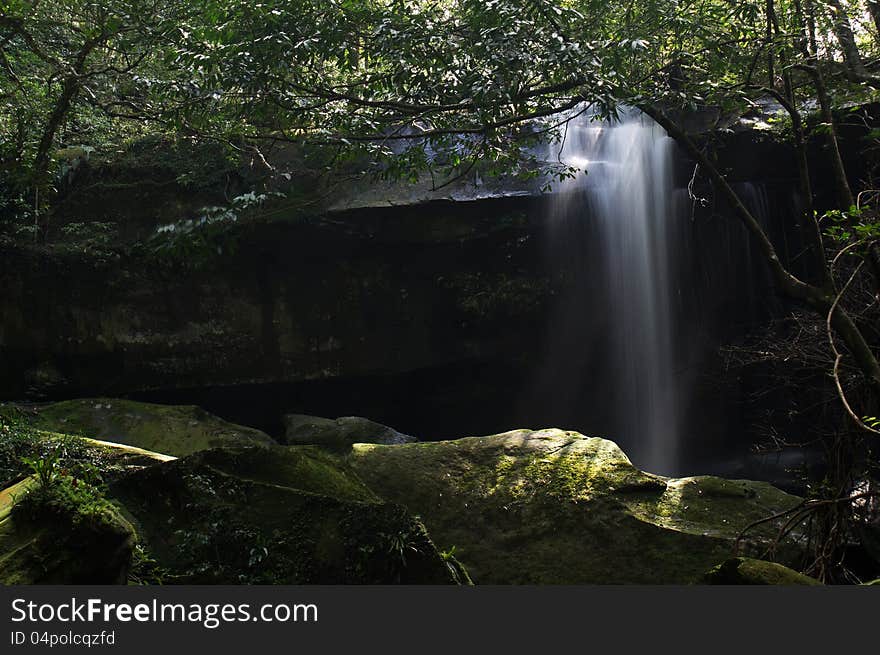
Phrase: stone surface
[176,430]
[748,571]
[341,432]
[59,547]
[522,507]
[275,516]
[554,507]
[369,292]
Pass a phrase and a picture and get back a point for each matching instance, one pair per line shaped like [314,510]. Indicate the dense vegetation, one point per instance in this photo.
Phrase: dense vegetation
[477,81]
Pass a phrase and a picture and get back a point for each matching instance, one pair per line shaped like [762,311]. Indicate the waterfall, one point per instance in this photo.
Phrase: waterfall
[626,203]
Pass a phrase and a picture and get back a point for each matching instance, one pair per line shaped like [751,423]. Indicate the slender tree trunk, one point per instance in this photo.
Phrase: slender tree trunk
[845,198]
[861,352]
[768,36]
[874,11]
[70,87]
[789,103]
[803,39]
[844,194]
[844,33]
[808,220]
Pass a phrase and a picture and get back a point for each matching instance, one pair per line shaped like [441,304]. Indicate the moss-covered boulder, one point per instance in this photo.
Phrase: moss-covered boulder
[557,507]
[340,433]
[748,571]
[62,534]
[177,430]
[274,515]
[520,507]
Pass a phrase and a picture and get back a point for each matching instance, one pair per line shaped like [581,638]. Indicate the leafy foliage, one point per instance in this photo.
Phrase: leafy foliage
[194,243]
[25,451]
[45,468]
[851,224]
[408,84]
[76,503]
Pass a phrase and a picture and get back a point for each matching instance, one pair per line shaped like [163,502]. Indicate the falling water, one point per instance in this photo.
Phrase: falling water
[628,195]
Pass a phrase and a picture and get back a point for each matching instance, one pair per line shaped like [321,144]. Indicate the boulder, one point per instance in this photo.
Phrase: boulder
[340,433]
[274,516]
[176,430]
[522,507]
[56,542]
[748,571]
[556,507]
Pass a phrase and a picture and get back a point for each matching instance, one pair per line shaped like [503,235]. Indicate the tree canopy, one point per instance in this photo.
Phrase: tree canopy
[364,74]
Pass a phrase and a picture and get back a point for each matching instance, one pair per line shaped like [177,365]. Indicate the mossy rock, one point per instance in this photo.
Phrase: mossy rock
[539,507]
[177,430]
[21,443]
[62,545]
[274,516]
[748,571]
[340,433]
[555,507]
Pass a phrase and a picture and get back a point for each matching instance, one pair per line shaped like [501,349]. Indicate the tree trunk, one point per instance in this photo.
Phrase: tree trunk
[69,90]
[789,102]
[808,221]
[768,36]
[844,33]
[874,11]
[845,198]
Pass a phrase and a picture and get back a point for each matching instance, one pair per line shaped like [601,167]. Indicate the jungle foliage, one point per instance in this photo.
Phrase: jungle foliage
[444,84]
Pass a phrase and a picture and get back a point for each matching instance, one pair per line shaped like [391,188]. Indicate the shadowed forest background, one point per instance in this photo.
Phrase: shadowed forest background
[269,270]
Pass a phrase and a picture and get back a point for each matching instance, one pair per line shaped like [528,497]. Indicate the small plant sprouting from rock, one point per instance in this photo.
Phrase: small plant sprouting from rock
[66,499]
[459,573]
[399,544]
[45,468]
[145,570]
[68,488]
[26,450]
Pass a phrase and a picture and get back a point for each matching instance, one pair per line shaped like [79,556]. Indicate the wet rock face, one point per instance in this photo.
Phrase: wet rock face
[340,433]
[370,292]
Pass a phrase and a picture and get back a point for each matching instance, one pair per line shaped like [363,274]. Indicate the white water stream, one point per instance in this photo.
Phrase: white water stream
[628,192]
